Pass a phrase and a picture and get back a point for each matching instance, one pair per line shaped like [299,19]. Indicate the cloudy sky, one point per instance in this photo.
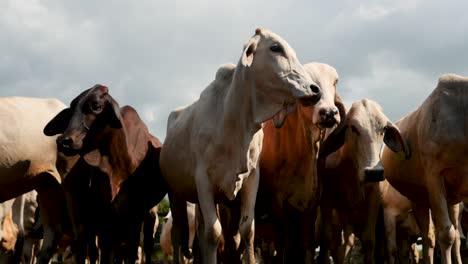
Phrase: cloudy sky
[157,55]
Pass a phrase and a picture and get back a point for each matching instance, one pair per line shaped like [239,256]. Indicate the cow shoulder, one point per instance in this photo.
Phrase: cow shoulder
[445,110]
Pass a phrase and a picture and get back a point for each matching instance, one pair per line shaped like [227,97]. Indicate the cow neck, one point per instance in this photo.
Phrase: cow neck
[307,136]
[115,157]
[349,173]
[239,126]
[120,148]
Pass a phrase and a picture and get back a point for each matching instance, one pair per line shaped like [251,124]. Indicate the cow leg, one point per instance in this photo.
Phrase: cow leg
[180,228]
[149,226]
[414,253]
[230,217]
[454,213]
[348,237]
[390,232]
[423,217]
[368,235]
[326,234]
[52,212]
[248,195]
[403,246]
[93,251]
[445,230]
[209,227]
[300,244]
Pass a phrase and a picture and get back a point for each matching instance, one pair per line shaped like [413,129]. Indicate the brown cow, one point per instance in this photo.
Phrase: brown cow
[436,175]
[288,190]
[116,141]
[350,173]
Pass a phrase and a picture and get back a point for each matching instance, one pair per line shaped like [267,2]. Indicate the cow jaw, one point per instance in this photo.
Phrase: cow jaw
[280,117]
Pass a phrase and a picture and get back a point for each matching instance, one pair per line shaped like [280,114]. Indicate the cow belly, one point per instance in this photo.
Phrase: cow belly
[417,193]
[11,173]
[456,183]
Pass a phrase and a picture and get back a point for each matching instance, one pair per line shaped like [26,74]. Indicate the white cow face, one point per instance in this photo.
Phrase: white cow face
[278,78]
[367,130]
[326,113]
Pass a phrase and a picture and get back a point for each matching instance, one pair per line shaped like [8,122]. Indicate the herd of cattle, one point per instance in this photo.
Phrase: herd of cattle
[269,154]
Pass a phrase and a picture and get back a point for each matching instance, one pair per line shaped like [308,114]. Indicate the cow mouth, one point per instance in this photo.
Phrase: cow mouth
[280,116]
[326,124]
[68,151]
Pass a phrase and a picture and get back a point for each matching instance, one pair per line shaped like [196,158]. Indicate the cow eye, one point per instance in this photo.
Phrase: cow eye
[276,48]
[96,107]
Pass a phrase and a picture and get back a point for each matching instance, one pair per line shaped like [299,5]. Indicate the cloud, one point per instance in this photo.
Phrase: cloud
[158,55]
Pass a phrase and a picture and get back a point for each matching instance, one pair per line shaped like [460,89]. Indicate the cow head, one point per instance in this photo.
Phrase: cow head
[80,125]
[365,130]
[329,110]
[270,66]
[369,128]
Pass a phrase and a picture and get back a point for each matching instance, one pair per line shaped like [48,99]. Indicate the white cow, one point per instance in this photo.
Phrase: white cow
[28,161]
[165,238]
[8,231]
[211,150]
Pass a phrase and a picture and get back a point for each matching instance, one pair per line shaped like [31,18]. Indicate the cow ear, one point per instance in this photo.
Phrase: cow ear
[59,123]
[93,158]
[341,108]
[395,141]
[249,51]
[334,141]
[113,114]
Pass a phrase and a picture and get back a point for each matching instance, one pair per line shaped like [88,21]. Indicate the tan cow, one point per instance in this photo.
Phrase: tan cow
[211,150]
[288,190]
[165,238]
[8,231]
[436,175]
[28,161]
[17,232]
[148,235]
[350,173]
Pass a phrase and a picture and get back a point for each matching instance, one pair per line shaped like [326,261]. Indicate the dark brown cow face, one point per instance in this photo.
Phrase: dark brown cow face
[81,125]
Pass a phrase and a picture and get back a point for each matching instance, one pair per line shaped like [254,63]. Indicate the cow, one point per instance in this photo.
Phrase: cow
[8,232]
[436,174]
[25,215]
[351,174]
[148,235]
[401,225]
[289,190]
[165,238]
[29,160]
[117,142]
[221,138]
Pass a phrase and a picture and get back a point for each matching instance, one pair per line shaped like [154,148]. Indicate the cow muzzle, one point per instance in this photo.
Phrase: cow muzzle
[65,145]
[374,174]
[328,117]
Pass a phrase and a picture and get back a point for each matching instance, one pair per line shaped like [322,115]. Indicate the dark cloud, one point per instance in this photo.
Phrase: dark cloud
[158,55]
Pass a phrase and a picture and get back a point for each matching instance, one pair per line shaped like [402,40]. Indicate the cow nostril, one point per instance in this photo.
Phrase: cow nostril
[314,88]
[323,112]
[326,113]
[65,142]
